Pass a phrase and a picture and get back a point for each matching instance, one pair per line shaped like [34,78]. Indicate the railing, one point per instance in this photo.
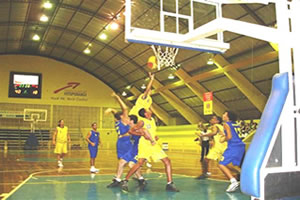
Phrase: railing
[16,138]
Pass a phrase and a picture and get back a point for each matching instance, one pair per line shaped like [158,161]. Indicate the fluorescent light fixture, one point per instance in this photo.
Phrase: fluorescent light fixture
[124,93]
[210,61]
[102,36]
[44,18]
[36,37]
[114,26]
[171,76]
[143,86]
[128,87]
[47,5]
[87,51]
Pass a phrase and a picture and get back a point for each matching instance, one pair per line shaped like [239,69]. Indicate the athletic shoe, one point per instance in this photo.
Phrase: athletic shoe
[124,186]
[202,176]
[115,183]
[148,165]
[233,187]
[94,170]
[59,164]
[171,187]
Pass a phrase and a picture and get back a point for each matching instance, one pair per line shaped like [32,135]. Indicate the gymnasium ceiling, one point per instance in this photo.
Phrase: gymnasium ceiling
[74,24]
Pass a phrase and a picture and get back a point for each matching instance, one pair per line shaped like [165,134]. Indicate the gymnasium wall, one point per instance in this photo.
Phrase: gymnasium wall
[179,138]
[79,107]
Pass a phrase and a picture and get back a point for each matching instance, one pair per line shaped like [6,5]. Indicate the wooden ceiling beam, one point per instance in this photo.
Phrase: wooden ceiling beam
[256,97]
[218,107]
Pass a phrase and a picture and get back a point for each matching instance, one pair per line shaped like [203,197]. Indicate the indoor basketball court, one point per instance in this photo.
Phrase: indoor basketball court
[95,92]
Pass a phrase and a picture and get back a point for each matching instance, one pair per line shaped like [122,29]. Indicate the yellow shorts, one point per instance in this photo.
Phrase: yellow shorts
[151,152]
[61,148]
[216,153]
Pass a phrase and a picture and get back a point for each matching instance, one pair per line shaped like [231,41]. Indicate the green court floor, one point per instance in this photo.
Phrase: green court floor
[94,187]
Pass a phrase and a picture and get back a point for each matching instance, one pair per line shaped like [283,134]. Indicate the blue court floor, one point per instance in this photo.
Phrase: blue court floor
[94,187]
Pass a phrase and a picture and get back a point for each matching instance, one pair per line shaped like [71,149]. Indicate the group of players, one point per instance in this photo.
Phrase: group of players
[226,147]
[137,143]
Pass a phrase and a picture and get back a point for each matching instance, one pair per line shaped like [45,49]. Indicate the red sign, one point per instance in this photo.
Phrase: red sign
[208,96]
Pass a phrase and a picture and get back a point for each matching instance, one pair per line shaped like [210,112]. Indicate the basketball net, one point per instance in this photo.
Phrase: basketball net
[165,56]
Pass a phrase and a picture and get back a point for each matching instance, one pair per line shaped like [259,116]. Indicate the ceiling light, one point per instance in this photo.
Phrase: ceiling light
[143,86]
[87,51]
[44,18]
[36,37]
[171,76]
[47,5]
[103,36]
[124,93]
[128,87]
[210,61]
[114,26]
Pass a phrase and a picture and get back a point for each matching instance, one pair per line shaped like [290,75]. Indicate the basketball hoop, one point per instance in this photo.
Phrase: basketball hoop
[165,56]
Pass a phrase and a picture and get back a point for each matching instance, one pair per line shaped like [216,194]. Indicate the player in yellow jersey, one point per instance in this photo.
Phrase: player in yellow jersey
[60,139]
[216,131]
[148,151]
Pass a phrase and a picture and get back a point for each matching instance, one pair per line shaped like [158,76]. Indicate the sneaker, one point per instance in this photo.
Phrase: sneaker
[202,176]
[115,183]
[208,173]
[233,187]
[94,170]
[148,165]
[124,186]
[59,164]
[171,187]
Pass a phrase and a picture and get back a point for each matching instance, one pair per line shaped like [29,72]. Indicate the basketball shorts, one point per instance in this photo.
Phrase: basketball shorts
[233,154]
[125,150]
[151,152]
[215,153]
[61,148]
[93,151]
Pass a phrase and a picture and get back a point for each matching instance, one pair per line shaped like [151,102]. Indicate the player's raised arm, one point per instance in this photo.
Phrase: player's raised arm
[148,88]
[122,104]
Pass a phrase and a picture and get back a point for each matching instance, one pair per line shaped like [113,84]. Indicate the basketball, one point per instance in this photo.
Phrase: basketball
[152,62]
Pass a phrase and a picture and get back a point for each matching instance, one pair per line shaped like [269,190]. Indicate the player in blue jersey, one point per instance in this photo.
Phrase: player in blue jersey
[93,138]
[235,149]
[125,149]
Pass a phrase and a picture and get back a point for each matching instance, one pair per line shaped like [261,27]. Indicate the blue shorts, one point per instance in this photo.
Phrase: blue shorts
[125,150]
[234,155]
[93,151]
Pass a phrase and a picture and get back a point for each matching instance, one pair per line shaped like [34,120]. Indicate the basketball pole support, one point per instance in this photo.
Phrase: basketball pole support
[285,35]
